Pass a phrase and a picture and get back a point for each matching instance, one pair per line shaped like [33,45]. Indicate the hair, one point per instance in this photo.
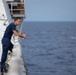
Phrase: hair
[17,18]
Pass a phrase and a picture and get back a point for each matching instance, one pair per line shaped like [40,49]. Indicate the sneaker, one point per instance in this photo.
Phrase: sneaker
[6,68]
[9,56]
[10,53]
[2,73]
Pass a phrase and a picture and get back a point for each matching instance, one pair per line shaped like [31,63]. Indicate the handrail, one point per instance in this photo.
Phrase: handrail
[17,9]
[16,2]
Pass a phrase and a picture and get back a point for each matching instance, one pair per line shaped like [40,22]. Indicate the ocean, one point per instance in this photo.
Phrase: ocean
[50,48]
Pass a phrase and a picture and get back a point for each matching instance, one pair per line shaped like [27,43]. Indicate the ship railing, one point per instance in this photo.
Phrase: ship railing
[17,9]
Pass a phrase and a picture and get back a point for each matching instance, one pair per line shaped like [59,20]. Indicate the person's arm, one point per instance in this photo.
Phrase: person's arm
[18,34]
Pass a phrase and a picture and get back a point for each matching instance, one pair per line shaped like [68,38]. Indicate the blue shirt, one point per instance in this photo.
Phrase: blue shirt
[9,30]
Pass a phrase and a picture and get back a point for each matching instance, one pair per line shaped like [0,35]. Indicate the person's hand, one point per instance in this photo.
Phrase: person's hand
[23,36]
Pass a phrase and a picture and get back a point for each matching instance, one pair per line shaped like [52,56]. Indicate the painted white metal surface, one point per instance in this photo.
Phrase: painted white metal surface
[2,20]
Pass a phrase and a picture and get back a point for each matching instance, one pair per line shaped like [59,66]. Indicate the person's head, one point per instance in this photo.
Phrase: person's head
[17,21]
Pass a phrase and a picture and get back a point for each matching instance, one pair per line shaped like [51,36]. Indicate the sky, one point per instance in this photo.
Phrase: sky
[50,10]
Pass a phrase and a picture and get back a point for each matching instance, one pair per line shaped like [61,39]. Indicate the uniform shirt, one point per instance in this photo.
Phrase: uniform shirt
[9,30]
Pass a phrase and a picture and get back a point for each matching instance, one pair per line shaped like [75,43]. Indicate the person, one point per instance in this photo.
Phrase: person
[6,40]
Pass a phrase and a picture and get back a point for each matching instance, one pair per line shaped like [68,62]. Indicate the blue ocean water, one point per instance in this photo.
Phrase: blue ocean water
[50,48]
